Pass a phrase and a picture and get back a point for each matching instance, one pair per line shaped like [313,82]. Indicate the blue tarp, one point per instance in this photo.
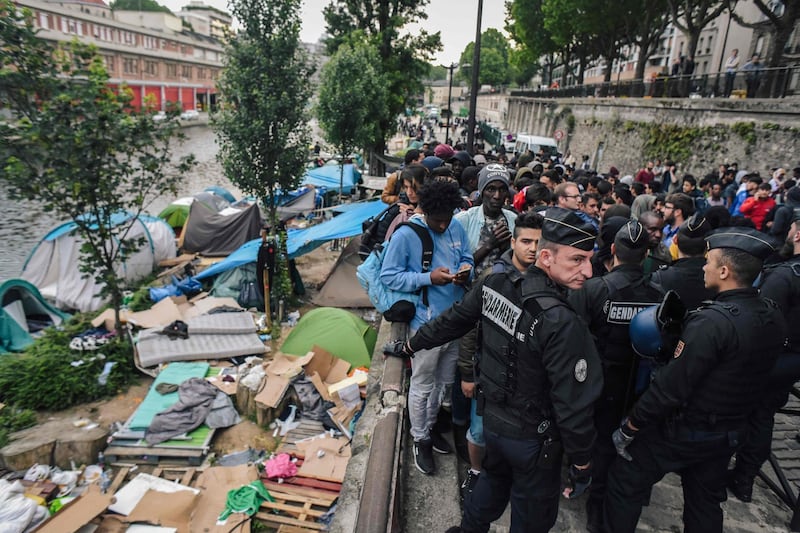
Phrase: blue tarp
[328,176]
[302,241]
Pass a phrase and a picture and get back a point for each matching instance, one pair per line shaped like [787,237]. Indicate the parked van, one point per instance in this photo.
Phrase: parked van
[535,144]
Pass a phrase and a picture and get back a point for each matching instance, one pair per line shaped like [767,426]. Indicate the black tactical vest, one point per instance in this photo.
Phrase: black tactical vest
[791,271]
[513,380]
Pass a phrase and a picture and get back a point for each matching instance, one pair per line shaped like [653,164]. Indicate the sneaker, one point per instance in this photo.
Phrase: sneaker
[440,445]
[423,456]
[741,487]
[469,483]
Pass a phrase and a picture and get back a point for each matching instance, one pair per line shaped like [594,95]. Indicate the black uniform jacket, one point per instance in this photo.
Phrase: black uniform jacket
[557,341]
[720,365]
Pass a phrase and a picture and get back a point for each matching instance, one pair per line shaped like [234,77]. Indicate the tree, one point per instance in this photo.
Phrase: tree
[351,93]
[645,22]
[263,125]
[139,5]
[495,51]
[78,148]
[692,16]
[402,57]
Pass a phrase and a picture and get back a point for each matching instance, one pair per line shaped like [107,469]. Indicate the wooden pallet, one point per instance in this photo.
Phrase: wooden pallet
[155,455]
[306,430]
[299,512]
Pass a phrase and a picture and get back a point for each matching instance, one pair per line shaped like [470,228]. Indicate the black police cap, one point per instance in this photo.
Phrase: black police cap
[632,236]
[796,214]
[695,227]
[745,239]
[562,226]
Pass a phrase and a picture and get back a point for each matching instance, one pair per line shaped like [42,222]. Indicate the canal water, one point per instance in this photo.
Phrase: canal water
[25,222]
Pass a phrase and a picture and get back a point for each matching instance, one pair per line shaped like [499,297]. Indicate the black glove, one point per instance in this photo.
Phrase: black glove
[622,438]
[577,482]
[398,348]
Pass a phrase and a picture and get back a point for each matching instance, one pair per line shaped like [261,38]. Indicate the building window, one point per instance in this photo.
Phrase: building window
[44,21]
[151,68]
[172,70]
[109,62]
[186,71]
[130,65]
[201,73]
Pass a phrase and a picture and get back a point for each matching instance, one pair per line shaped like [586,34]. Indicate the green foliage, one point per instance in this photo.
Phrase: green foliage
[13,419]
[771,126]
[668,141]
[495,66]
[263,126]
[745,130]
[570,122]
[78,148]
[403,56]
[139,5]
[437,72]
[43,378]
[281,289]
[352,97]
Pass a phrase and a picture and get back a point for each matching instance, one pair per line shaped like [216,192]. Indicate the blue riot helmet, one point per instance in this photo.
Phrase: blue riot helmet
[646,333]
[655,330]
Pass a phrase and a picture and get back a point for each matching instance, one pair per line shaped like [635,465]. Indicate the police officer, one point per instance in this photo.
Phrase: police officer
[781,283]
[692,416]
[607,304]
[685,276]
[539,378]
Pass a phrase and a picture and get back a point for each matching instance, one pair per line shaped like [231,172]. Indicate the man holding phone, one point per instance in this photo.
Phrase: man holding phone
[540,376]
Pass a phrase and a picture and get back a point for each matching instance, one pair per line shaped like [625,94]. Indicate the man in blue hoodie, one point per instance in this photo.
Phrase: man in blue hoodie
[442,285]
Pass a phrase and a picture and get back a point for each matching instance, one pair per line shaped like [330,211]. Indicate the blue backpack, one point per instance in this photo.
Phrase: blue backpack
[396,306]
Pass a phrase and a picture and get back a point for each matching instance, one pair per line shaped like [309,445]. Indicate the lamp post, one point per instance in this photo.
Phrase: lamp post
[722,52]
[449,99]
[473,92]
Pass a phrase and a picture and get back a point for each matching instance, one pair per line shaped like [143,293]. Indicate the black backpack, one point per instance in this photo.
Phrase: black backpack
[374,230]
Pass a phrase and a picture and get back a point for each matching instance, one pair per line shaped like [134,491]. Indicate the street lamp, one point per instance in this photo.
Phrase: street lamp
[449,98]
[473,92]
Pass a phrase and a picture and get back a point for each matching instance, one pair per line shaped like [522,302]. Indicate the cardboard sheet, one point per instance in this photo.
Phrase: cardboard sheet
[216,482]
[280,372]
[129,496]
[201,307]
[161,314]
[332,465]
[324,369]
[170,510]
[78,512]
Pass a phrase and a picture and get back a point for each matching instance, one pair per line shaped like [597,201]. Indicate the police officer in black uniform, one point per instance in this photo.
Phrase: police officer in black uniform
[607,304]
[539,378]
[685,276]
[692,416]
[780,283]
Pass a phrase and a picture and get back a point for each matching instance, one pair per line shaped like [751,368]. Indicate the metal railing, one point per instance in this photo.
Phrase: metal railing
[778,82]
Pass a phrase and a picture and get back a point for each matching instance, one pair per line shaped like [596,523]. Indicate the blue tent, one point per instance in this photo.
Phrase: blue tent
[328,176]
[302,241]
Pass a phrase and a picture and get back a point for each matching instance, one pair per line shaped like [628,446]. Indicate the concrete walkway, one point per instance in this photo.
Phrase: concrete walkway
[431,503]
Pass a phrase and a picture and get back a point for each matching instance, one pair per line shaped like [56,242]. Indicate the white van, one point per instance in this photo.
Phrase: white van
[535,144]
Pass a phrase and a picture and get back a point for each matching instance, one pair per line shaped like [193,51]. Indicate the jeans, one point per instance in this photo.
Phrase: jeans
[475,433]
[431,371]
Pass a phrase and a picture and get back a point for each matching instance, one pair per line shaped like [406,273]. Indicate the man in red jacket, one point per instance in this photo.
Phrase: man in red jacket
[757,206]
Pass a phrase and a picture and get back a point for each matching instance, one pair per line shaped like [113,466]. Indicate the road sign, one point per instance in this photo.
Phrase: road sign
[558,135]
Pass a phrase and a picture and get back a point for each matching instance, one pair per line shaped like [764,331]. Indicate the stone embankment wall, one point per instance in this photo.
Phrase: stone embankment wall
[697,134]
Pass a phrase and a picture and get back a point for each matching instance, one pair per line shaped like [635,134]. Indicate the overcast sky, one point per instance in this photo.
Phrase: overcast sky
[455,19]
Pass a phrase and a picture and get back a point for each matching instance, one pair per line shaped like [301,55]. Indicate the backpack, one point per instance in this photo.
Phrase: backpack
[396,306]
[374,230]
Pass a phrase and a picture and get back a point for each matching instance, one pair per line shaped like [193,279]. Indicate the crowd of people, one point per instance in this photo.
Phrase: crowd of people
[635,324]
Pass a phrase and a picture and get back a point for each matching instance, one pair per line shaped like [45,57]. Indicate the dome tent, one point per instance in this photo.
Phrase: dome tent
[24,313]
[337,331]
[54,264]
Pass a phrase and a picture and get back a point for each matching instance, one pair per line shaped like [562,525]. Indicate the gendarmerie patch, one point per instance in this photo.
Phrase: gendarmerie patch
[679,349]
[623,312]
[581,370]
[500,310]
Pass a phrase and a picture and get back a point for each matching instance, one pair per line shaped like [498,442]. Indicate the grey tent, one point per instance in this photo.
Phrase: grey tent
[210,233]
[341,288]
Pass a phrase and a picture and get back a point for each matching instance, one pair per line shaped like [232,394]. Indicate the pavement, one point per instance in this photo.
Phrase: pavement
[431,503]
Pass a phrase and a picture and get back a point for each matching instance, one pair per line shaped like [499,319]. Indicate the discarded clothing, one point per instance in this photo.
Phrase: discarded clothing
[196,400]
[280,466]
[222,414]
[166,388]
[246,499]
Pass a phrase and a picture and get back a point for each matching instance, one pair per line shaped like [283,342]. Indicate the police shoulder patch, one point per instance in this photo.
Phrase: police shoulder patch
[581,370]
[679,349]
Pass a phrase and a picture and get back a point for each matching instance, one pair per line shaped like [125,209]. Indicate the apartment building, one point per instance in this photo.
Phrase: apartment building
[153,53]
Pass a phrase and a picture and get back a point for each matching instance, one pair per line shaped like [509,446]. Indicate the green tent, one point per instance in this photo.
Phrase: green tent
[338,331]
[177,212]
[23,313]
